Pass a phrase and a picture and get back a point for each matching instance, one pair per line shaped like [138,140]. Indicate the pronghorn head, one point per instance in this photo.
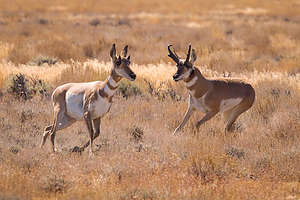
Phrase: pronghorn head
[184,67]
[121,64]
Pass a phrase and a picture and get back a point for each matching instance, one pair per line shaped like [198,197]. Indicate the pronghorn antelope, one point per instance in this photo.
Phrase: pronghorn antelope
[87,101]
[211,96]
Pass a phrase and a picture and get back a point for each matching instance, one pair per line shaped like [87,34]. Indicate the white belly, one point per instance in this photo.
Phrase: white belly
[74,103]
[229,103]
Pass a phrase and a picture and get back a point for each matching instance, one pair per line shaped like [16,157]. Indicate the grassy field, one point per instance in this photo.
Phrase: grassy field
[136,156]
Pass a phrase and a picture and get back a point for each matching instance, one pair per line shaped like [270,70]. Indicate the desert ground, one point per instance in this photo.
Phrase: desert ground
[44,44]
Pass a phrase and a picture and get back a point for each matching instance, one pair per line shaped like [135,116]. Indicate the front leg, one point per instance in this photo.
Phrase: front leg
[207,117]
[187,116]
[88,121]
[96,125]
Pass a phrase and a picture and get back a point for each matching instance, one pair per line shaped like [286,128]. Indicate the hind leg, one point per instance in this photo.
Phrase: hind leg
[232,115]
[61,121]
[45,135]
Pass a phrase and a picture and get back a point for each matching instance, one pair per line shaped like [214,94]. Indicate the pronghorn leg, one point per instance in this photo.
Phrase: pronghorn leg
[88,121]
[61,121]
[96,125]
[207,117]
[231,116]
[46,134]
[187,116]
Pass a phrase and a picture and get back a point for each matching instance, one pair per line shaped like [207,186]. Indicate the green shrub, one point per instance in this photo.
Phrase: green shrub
[44,59]
[25,88]
[127,89]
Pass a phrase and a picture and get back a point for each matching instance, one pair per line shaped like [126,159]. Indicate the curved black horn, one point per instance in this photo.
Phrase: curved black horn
[188,54]
[172,55]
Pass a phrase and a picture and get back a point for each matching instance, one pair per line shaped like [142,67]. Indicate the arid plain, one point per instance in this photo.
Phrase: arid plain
[136,155]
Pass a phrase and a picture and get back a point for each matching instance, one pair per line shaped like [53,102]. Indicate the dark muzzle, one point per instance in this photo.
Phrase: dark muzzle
[175,77]
[133,76]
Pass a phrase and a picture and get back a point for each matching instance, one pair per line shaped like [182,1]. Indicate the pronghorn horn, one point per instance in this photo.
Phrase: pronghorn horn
[172,55]
[188,54]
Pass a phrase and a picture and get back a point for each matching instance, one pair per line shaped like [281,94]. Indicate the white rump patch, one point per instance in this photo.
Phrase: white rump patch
[192,82]
[229,103]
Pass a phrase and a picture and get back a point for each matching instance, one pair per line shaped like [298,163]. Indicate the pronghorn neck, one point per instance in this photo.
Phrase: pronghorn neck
[111,85]
[197,84]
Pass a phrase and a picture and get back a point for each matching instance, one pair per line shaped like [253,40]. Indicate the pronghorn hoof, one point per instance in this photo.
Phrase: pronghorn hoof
[176,133]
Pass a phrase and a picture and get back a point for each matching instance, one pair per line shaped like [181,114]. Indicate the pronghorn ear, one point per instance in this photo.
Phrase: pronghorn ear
[128,58]
[117,61]
[113,52]
[124,52]
[194,56]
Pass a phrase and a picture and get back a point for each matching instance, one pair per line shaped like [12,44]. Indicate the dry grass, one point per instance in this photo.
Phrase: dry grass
[259,160]
[243,35]
[135,156]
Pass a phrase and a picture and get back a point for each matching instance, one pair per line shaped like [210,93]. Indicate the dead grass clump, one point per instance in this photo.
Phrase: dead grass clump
[43,21]
[210,168]
[95,22]
[14,150]
[136,134]
[235,152]
[54,184]
[123,22]
[139,194]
